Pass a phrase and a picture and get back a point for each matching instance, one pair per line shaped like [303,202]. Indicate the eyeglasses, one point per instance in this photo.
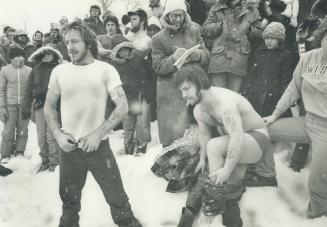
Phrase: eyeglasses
[174,16]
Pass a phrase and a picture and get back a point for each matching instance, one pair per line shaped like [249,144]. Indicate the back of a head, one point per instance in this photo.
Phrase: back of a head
[192,73]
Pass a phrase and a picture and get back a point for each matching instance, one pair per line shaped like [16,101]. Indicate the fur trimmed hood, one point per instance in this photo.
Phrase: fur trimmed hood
[117,48]
[187,23]
[39,53]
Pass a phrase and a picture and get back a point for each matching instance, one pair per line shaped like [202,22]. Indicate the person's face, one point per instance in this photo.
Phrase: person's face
[124,52]
[76,46]
[94,12]
[18,61]
[48,57]
[190,93]
[324,44]
[63,21]
[151,31]
[111,28]
[10,35]
[22,38]
[176,18]
[38,36]
[54,33]
[271,43]
[135,23]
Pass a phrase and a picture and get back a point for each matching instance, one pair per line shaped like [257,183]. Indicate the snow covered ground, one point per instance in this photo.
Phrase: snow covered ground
[28,199]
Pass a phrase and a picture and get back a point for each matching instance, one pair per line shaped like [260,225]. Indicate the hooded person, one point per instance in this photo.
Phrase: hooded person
[22,40]
[229,39]
[140,92]
[13,80]
[178,35]
[46,59]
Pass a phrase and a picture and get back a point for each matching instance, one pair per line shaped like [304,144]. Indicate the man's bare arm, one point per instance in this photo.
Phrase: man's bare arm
[119,113]
[233,124]
[50,112]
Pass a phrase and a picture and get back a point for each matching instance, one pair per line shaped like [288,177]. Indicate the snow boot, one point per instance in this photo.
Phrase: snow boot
[187,218]
[132,223]
[232,214]
[215,196]
[251,179]
[5,171]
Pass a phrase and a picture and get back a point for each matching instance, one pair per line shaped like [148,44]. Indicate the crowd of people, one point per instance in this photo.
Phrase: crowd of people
[251,61]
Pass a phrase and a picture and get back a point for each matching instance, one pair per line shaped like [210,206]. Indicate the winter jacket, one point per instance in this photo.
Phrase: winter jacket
[38,80]
[228,32]
[28,47]
[136,78]
[198,11]
[269,72]
[96,26]
[12,84]
[165,42]
[304,9]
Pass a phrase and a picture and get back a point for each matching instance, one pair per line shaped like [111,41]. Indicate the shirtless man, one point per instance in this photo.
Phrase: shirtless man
[243,140]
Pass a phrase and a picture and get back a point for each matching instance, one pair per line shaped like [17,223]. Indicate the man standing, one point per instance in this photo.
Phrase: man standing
[83,87]
[94,22]
[244,139]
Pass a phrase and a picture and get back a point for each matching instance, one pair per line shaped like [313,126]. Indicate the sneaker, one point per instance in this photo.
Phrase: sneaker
[133,223]
[5,171]
[5,160]
[43,167]
[252,179]
[52,167]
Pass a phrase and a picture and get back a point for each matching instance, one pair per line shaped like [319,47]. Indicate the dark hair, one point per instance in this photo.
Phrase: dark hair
[125,19]
[95,7]
[38,31]
[321,31]
[194,74]
[111,18]
[15,51]
[87,35]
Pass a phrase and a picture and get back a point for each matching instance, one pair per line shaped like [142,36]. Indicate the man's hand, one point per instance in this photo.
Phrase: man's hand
[90,142]
[201,166]
[221,175]
[66,142]
[3,114]
[178,53]
[195,56]
[270,119]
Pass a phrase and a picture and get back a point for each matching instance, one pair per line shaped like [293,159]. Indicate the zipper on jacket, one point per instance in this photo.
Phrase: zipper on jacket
[18,98]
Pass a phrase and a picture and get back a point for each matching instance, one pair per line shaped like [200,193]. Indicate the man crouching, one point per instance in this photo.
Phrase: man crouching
[243,140]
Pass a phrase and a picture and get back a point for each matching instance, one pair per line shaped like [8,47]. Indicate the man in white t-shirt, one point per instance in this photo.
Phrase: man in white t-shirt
[83,87]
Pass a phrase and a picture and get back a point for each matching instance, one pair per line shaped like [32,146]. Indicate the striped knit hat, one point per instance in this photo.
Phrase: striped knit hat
[274,30]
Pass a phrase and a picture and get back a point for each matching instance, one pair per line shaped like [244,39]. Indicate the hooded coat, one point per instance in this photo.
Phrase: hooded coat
[136,77]
[172,113]
[28,48]
[38,80]
[228,32]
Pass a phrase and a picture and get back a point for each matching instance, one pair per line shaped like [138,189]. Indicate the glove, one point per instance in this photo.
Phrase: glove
[178,53]
[26,115]
[3,114]
[195,56]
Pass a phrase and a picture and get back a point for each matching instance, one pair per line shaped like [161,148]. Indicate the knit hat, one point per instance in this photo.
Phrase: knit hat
[15,51]
[172,5]
[274,30]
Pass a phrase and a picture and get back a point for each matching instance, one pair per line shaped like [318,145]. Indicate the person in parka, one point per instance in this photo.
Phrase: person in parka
[179,33]
[46,59]
[138,86]
[228,31]
[23,41]
[13,79]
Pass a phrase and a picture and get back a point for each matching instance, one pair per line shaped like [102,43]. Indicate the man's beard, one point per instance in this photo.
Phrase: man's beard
[136,28]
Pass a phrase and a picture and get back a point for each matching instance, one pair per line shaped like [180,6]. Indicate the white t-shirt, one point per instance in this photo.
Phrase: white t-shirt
[84,91]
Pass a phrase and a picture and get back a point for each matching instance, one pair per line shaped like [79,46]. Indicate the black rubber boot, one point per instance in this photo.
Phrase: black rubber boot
[232,214]
[187,218]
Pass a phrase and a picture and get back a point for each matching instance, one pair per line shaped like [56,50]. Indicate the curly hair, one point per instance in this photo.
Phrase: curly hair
[113,19]
[87,35]
[194,74]
[321,30]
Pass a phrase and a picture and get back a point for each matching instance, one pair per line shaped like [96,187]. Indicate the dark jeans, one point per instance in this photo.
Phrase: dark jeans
[73,171]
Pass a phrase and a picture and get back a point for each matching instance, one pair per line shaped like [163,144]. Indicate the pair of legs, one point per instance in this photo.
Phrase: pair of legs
[137,125]
[49,149]
[102,164]
[15,132]
[226,80]
[309,129]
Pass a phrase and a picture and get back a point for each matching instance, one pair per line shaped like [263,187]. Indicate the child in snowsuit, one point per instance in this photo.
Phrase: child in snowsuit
[46,58]
[13,79]
[140,92]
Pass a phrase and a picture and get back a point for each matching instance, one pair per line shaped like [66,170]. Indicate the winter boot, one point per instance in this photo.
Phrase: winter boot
[133,223]
[187,218]
[251,179]
[43,167]
[215,196]
[232,214]
[5,171]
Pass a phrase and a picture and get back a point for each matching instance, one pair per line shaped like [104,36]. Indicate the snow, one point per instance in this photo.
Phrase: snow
[32,200]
